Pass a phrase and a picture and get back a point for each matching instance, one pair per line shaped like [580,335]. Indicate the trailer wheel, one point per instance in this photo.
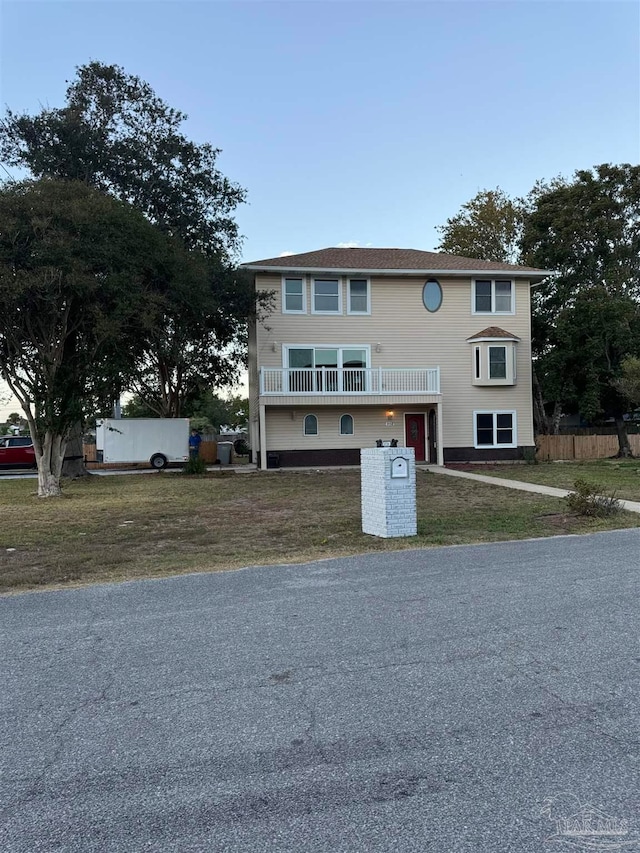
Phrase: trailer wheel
[158,461]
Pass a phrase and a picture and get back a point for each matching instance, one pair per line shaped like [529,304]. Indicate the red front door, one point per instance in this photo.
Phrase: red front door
[414,433]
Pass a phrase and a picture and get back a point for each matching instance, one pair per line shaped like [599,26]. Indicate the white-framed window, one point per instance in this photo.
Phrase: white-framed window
[493,296]
[310,426]
[494,429]
[294,295]
[326,296]
[497,361]
[326,369]
[346,425]
[358,296]
[494,361]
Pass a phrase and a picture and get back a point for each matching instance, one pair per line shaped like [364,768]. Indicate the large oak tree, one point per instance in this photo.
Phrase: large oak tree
[77,272]
[114,133]
[588,316]
[488,227]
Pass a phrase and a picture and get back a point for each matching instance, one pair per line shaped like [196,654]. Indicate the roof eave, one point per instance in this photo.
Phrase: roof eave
[537,275]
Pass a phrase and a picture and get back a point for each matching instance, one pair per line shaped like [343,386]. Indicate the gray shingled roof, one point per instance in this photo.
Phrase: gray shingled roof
[493,332]
[399,260]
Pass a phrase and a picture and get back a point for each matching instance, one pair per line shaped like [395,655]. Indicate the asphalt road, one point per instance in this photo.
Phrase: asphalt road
[433,700]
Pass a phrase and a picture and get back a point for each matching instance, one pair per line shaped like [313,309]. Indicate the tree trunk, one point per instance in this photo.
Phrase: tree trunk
[540,420]
[623,439]
[73,466]
[50,466]
[555,418]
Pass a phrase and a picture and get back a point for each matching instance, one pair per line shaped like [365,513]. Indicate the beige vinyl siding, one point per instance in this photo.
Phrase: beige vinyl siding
[285,427]
[412,337]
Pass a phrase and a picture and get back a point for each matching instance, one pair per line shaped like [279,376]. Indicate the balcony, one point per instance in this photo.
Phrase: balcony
[348,381]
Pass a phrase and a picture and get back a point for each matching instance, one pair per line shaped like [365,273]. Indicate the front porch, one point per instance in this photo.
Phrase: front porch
[316,431]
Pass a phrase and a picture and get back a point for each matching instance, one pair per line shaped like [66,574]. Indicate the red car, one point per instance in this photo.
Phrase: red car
[16,451]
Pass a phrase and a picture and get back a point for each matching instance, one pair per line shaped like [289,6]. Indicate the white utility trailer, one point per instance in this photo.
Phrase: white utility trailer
[157,441]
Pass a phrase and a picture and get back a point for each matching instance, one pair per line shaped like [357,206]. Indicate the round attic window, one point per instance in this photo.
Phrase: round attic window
[432,295]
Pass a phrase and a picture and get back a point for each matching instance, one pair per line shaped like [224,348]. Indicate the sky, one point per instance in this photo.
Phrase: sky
[356,123]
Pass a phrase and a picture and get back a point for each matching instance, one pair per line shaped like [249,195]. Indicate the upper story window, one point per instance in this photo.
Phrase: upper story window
[432,295]
[294,296]
[301,356]
[493,296]
[358,296]
[326,296]
[494,357]
[497,362]
[327,369]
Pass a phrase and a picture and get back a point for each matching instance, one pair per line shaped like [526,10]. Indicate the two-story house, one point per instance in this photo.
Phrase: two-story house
[365,345]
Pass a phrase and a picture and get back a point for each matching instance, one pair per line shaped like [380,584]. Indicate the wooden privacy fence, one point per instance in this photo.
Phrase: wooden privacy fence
[209,451]
[572,447]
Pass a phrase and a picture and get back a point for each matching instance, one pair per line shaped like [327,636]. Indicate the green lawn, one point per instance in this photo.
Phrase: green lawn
[623,477]
[111,528]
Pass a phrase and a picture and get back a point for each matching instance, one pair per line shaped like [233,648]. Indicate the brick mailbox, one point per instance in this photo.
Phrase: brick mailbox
[388,491]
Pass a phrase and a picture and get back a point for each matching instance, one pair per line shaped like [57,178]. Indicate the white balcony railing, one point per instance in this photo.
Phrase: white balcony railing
[327,381]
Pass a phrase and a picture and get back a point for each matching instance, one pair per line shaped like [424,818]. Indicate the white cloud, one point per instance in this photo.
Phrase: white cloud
[285,254]
[353,244]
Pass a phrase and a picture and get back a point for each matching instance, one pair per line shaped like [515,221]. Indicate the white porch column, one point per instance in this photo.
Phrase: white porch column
[440,447]
[263,438]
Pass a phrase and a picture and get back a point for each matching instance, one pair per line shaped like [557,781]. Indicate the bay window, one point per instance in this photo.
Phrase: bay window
[493,359]
[497,362]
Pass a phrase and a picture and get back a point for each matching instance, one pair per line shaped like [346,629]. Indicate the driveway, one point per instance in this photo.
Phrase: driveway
[451,699]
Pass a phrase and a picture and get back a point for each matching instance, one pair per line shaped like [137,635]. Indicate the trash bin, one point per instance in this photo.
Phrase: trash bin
[273,460]
[224,452]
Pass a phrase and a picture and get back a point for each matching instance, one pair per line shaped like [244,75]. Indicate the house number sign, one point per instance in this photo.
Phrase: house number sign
[399,467]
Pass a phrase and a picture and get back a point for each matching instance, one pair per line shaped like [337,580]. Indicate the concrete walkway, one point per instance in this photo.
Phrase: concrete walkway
[538,488]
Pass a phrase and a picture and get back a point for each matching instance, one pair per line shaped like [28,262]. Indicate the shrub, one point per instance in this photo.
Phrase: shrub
[587,499]
[195,466]
[529,455]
